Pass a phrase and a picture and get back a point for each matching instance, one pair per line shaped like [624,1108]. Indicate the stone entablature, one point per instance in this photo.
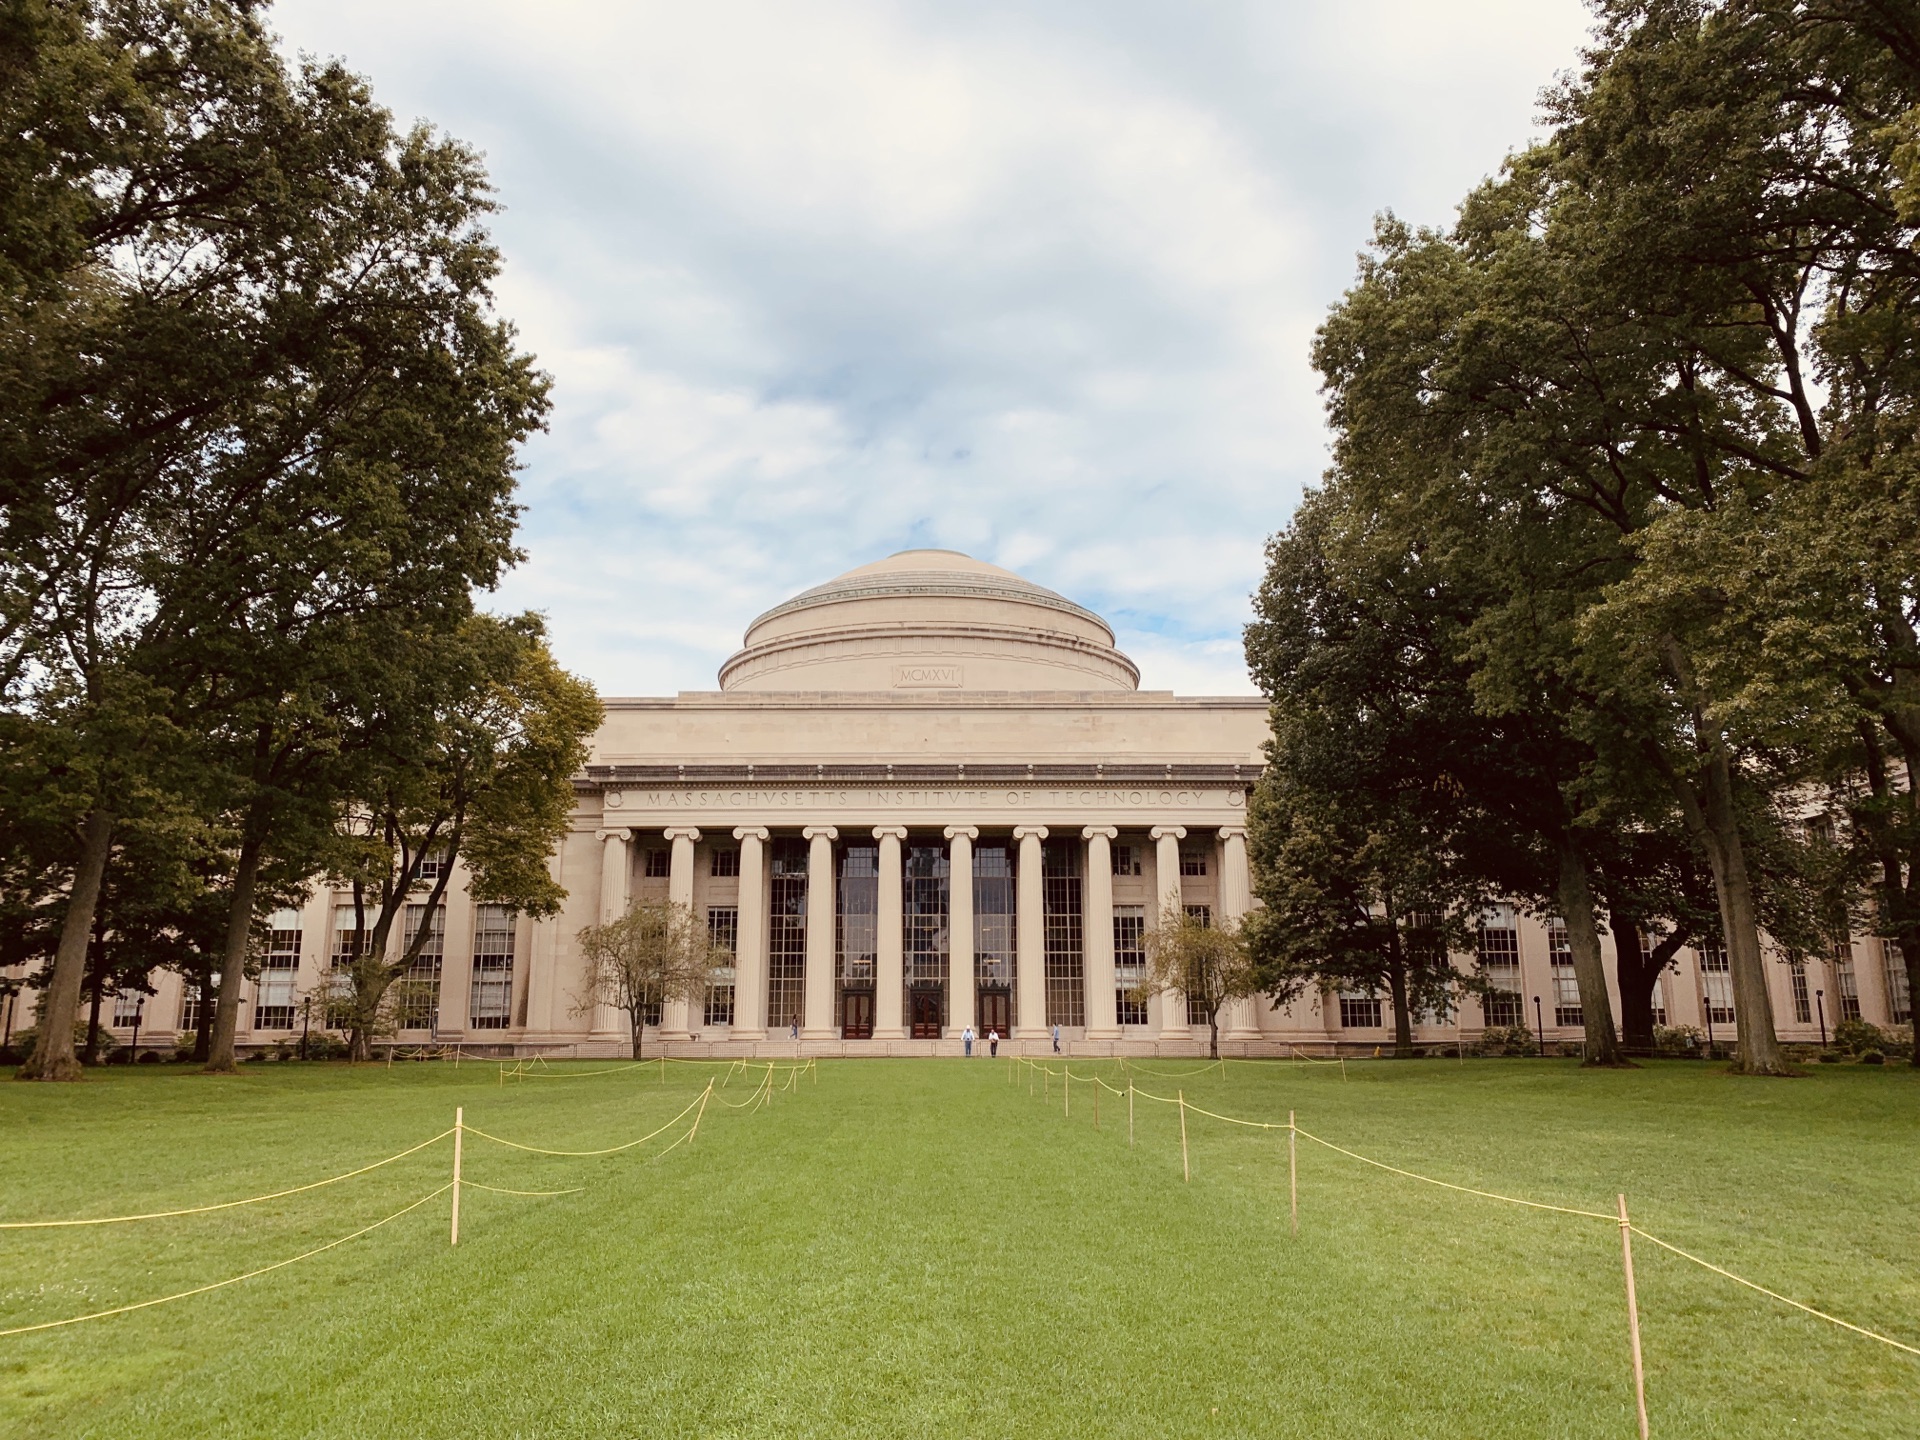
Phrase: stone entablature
[933,806]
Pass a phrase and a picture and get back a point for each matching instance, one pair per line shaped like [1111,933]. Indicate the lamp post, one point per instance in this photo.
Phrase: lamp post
[306,1022]
[1539,1025]
[1706,1008]
[139,1009]
[1820,1009]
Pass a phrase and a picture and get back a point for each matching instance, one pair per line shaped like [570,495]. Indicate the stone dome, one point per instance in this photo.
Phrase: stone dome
[929,620]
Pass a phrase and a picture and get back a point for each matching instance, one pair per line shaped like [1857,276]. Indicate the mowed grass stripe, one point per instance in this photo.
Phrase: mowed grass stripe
[916,1248]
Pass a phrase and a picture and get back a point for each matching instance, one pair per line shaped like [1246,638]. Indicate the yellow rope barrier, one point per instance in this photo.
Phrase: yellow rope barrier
[582,1154]
[1463,1189]
[476,1185]
[224,1204]
[1773,1294]
[222,1284]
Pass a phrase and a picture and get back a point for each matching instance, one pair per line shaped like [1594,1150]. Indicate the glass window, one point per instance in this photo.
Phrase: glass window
[490,1003]
[1193,861]
[658,864]
[1497,947]
[1061,918]
[723,931]
[1126,859]
[925,897]
[1129,962]
[1359,1010]
[1899,990]
[417,993]
[857,916]
[274,993]
[786,931]
[1797,983]
[726,860]
[993,914]
[1716,983]
[1566,987]
[128,1007]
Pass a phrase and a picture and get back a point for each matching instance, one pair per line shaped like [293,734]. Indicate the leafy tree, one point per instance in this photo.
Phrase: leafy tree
[1190,960]
[253,392]
[659,951]
[478,740]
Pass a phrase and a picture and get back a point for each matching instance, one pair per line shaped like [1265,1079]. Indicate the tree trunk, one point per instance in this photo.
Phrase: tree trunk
[1910,955]
[1213,1033]
[233,963]
[1583,940]
[633,1018]
[53,1057]
[96,985]
[1715,823]
[1637,979]
[1402,1015]
[1758,1052]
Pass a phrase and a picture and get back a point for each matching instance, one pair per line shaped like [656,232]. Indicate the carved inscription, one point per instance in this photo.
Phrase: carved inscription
[928,677]
[956,800]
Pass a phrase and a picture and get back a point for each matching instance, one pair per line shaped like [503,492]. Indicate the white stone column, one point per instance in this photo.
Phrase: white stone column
[1166,889]
[818,1019]
[616,866]
[960,987]
[1103,1021]
[616,878]
[673,1013]
[750,954]
[1236,898]
[1030,999]
[889,958]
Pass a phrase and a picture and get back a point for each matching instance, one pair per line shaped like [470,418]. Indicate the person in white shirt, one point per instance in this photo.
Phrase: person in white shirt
[993,1043]
[966,1039]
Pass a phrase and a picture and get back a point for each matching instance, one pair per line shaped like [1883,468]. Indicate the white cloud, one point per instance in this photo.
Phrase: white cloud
[821,282]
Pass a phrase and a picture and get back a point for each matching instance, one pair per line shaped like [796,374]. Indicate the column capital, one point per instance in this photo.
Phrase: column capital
[1108,832]
[619,833]
[1029,832]
[682,832]
[889,832]
[1233,832]
[815,832]
[954,832]
[750,832]
[1160,832]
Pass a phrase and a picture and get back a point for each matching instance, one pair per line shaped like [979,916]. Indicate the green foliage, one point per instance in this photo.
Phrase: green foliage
[1506,1040]
[1856,1037]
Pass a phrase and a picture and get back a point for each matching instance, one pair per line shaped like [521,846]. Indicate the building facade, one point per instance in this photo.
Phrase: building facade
[929,795]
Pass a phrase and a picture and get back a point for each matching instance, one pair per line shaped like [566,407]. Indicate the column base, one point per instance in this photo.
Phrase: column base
[1104,1034]
[889,1034]
[808,1032]
[673,1037]
[738,1034]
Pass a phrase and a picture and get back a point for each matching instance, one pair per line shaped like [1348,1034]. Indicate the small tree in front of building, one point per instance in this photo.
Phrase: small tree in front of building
[658,951]
[1193,962]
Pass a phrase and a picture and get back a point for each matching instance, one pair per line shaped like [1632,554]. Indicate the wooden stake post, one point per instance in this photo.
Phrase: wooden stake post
[1129,1114]
[1185,1173]
[1293,1174]
[1633,1320]
[459,1132]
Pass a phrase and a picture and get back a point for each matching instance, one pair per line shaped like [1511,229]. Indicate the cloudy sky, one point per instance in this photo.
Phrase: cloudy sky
[821,281]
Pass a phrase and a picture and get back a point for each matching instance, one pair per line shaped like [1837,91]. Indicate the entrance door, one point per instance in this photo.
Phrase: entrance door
[996,1012]
[924,1014]
[856,1015]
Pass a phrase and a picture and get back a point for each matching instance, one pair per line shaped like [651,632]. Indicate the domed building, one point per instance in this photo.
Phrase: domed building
[928,794]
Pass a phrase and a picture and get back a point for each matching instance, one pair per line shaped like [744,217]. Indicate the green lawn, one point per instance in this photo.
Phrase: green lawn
[918,1248]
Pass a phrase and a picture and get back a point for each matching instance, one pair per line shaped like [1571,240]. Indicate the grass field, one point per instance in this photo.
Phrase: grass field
[919,1248]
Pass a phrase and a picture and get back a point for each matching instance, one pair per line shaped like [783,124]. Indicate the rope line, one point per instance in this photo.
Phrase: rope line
[1449,1185]
[224,1204]
[581,1154]
[1772,1294]
[476,1185]
[221,1284]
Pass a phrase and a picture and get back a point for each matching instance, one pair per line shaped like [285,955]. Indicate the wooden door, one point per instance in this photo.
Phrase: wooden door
[856,1015]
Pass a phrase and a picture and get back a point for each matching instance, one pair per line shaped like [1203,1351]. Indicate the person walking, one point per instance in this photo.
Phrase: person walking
[993,1044]
[966,1039]
[1056,1039]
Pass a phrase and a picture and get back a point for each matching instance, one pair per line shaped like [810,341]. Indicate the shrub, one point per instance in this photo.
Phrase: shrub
[149,1057]
[23,1041]
[1872,1057]
[322,1046]
[1829,1057]
[1678,1040]
[1505,1040]
[1856,1036]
